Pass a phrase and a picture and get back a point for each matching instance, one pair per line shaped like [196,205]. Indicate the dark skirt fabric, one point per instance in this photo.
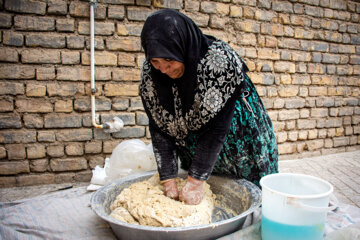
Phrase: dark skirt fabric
[250,149]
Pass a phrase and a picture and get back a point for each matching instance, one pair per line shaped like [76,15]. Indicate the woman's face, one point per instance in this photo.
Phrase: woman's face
[172,68]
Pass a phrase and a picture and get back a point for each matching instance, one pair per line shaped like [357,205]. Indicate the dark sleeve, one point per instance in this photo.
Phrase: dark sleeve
[212,140]
[165,153]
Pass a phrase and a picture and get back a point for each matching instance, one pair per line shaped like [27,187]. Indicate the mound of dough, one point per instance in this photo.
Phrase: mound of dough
[144,203]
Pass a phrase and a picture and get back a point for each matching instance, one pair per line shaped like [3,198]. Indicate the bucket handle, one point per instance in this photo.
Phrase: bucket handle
[332,205]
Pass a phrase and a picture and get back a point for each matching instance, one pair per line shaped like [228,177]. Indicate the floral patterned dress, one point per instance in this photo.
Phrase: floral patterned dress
[226,131]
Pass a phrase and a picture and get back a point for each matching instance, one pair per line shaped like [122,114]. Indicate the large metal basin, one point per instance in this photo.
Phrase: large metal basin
[241,196]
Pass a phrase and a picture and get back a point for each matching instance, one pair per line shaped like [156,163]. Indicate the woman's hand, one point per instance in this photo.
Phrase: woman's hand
[192,193]
[170,188]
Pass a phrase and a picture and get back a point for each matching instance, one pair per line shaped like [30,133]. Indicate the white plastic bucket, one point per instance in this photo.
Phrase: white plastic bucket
[294,206]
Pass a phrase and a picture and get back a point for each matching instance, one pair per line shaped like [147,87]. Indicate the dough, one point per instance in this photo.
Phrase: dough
[144,203]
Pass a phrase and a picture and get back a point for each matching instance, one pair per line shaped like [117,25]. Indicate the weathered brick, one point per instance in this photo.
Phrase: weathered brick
[8,55]
[24,6]
[81,9]
[120,104]
[10,120]
[142,119]
[65,89]
[319,112]
[138,13]
[65,25]
[6,105]
[84,104]
[202,20]
[136,104]
[55,150]
[5,20]
[70,57]
[98,43]
[46,136]
[96,161]
[281,66]
[101,58]
[294,103]
[314,11]
[101,28]
[270,54]
[29,180]
[325,102]
[281,6]
[351,102]
[74,135]
[64,106]
[75,42]
[288,114]
[73,74]
[317,91]
[174,4]
[341,141]
[20,136]
[235,11]
[62,121]
[45,73]
[14,167]
[301,79]
[130,132]
[116,12]
[33,105]
[124,44]
[13,39]
[272,29]
[287,148]
[346,111]
[36,151]
[290,91]
[93,147]
[306,124]
[40,56]
[74,149]
[333,37]
[35,90]
[33,121]
[99,134]
[30,23]
[83,176]
[279,103]
[16,72]
[128,118]
[44,40]
[68,164]
[218,22]
[7,182]
[126,59]
[129,29]
[39,165]
[247,26]
[333,122]
[126,74]
[121,90]
[58,7]
[16,151]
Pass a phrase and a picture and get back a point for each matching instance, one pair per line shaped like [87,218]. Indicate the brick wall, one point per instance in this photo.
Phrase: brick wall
[303,57]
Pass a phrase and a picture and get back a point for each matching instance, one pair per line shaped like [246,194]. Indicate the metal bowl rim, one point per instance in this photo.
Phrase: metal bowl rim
[95,207]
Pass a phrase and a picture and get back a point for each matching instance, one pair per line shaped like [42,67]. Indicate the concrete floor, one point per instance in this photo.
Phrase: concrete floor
[342,170]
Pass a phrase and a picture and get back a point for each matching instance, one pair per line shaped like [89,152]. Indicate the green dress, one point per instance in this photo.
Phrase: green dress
[250,149]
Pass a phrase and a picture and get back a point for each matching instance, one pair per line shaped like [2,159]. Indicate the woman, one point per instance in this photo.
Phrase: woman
[202,107]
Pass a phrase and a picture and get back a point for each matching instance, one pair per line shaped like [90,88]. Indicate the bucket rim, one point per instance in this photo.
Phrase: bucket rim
[320,195]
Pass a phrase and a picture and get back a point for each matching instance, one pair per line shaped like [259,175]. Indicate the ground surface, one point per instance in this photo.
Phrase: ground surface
[342,170]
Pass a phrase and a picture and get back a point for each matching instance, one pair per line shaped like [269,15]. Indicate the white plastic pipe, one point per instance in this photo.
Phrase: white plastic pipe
[92,65]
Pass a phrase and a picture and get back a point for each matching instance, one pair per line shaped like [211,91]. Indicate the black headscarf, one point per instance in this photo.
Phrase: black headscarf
[172,35]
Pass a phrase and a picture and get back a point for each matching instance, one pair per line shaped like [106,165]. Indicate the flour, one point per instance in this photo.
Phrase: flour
[144,203]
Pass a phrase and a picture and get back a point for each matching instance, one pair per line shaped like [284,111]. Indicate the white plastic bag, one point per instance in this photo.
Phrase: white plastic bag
[128,157]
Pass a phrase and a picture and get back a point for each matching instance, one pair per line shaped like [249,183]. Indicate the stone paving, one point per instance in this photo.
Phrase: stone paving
[342,170]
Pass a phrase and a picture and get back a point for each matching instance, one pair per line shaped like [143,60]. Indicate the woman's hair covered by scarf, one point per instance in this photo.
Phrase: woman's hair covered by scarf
[170,34]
